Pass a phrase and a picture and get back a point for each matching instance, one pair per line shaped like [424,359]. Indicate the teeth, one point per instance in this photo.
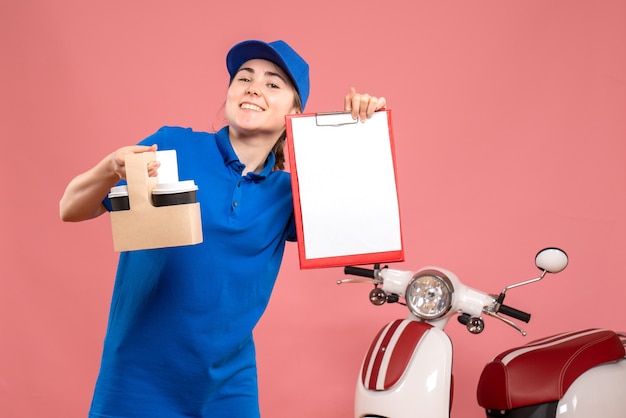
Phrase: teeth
[251,107]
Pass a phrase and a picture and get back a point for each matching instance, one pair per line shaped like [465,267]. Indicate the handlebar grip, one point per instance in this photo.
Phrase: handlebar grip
[358,271]
[514,313]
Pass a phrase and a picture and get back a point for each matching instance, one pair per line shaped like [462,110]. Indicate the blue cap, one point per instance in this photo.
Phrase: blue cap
[277,52]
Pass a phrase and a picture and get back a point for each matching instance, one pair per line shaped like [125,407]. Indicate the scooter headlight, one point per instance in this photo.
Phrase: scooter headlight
[429,294]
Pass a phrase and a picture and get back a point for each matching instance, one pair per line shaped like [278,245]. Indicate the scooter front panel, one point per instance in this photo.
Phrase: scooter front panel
[390,353]
[422,387]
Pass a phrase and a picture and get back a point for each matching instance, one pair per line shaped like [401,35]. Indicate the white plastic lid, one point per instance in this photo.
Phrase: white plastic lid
[178,187]
[118,191]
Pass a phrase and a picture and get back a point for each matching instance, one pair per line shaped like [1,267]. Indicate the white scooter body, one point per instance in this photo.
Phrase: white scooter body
[424,354]
[599,392]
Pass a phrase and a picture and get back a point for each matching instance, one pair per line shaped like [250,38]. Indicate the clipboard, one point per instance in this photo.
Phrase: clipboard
[344,187]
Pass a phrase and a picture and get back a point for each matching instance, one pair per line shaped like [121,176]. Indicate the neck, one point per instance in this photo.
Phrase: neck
[252,152]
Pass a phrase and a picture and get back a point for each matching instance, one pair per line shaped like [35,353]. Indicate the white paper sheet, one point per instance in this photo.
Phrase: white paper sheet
[347,187]
[168,171]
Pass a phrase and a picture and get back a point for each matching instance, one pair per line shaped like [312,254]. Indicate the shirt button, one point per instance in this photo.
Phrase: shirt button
[235,204]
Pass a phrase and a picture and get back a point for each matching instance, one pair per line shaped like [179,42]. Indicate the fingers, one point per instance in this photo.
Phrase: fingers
[347,101]
[362,106]
[119,159]
[382,103]
[153,168]
[144,148]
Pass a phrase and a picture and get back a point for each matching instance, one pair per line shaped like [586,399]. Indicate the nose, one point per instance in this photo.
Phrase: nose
[252,90]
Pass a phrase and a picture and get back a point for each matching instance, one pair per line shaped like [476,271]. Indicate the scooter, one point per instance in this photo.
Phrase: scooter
[407,371]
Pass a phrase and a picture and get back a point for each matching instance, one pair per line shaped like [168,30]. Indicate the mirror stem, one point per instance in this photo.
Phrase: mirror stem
[536,279]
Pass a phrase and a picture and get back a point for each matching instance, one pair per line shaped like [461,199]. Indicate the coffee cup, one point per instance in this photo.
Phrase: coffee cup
[118,196]
[178,193]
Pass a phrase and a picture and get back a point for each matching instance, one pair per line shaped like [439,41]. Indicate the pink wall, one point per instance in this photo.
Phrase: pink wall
[510,127]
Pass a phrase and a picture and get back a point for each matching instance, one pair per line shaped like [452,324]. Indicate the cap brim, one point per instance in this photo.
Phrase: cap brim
[248,50]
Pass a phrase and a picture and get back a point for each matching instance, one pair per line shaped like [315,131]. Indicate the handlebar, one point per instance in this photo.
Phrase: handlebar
[359,271]
[493,309]
[514,313]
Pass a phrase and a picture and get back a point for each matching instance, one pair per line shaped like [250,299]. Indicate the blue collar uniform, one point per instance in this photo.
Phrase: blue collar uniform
[179,338]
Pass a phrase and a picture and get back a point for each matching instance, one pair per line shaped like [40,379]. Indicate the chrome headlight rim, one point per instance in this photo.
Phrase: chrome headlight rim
[445,285]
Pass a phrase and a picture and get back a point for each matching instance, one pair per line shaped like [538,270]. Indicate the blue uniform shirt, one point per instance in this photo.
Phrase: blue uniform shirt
[179,338]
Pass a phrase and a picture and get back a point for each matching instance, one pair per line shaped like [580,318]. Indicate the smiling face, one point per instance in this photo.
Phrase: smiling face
[258,98]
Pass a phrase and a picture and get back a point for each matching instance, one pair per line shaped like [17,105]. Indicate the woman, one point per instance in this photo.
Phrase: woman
[179,338]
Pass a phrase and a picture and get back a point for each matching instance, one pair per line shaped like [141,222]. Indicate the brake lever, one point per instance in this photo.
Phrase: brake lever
[370,281]
[505,320]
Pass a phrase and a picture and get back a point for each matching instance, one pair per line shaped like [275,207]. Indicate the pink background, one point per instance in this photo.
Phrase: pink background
[510,130]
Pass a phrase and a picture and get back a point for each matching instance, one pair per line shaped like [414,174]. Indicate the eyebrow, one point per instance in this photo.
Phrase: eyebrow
[267,73]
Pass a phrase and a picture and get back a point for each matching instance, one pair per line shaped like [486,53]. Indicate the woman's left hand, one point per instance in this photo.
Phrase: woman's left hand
[362,106]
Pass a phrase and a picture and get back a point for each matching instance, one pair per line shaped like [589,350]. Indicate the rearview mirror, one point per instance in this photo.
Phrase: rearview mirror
[551,260]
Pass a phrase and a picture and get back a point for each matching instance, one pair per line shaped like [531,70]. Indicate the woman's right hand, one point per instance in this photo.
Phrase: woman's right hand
[83,196]
[118,160]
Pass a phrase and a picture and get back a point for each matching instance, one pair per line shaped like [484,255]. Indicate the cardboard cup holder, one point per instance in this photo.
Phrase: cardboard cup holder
[150,215]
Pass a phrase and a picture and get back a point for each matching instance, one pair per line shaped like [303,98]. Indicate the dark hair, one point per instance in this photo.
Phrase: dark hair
[279,146]
[279,152]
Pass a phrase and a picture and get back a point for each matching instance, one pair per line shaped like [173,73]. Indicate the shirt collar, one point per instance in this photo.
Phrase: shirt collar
[229,156]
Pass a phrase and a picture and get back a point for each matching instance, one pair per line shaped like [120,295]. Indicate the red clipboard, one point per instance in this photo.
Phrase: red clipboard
[344,186]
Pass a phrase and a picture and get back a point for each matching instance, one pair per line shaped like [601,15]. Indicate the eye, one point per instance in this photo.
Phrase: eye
[273,85]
